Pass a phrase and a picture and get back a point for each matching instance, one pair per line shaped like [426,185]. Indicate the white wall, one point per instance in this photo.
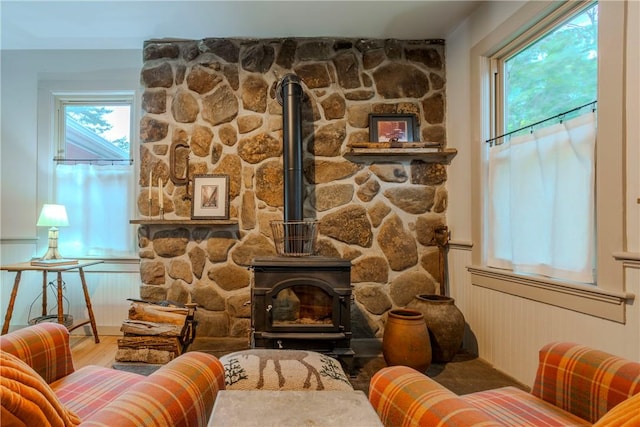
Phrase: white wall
[506,330]
[22,196]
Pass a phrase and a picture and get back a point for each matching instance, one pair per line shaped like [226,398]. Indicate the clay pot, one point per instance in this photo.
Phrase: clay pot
[406,340]
[445,323]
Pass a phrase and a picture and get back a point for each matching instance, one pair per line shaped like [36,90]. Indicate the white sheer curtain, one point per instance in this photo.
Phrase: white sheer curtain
[541,202]
[98,201]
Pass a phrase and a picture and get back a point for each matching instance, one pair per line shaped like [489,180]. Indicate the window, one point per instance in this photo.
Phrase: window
[606,297]
[541,193]
[93,175]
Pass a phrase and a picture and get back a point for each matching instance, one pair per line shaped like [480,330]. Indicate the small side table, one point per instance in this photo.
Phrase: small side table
[58,269]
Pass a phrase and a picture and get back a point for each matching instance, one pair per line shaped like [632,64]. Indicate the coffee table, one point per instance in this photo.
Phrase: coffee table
[262,408]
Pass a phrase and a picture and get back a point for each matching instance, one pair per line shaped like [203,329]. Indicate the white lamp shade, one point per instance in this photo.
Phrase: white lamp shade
[53,216]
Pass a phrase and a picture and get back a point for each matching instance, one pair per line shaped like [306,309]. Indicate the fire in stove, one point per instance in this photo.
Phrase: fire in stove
[302,304]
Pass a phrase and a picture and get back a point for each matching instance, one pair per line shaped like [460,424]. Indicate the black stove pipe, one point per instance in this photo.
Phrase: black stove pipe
[289,93]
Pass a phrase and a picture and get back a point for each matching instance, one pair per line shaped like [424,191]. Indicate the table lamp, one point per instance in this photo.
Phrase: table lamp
[53,216]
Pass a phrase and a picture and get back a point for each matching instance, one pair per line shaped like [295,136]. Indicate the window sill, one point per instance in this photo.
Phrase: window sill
[582,299]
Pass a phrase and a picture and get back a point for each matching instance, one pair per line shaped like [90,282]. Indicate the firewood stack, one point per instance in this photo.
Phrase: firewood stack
[156,332]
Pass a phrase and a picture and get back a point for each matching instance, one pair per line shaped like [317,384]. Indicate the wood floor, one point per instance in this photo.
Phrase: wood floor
[86,352]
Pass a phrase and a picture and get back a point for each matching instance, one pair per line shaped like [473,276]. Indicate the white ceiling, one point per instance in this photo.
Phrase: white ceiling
[116,24]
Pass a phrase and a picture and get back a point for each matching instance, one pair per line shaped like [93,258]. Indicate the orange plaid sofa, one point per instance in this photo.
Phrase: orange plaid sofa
[574,386]
[181,393]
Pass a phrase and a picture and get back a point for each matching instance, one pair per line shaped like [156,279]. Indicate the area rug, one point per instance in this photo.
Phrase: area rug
[263,369]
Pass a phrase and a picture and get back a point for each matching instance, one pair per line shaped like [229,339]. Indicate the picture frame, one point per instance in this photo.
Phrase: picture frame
[210,198]
[391,127]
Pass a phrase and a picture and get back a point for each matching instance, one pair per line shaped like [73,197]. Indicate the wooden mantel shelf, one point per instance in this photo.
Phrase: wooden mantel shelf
[389,154]
[194,222]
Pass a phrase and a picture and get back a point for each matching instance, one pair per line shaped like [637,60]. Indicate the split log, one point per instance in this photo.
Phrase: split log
[158,314]
[144,355]
[149,342]
[140,327]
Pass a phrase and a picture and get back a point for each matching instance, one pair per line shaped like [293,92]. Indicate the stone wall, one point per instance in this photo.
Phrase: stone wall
[217,97]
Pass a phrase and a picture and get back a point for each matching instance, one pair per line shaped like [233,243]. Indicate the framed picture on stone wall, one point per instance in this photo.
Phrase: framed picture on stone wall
[391,127]
[210,197]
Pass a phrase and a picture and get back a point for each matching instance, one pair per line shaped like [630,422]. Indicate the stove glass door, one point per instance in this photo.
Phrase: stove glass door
[300,305]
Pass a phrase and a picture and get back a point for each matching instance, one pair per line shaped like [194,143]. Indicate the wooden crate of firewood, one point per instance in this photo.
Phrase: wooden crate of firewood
[155,333]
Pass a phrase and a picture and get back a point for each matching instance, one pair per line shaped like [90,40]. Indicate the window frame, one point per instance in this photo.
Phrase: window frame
[49,136]
[498,85]
[607,298]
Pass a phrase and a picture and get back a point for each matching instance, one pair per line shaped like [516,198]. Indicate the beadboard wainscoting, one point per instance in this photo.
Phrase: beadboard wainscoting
[503,322]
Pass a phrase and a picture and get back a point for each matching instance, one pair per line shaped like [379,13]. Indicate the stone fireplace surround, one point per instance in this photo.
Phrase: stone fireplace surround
[217,96]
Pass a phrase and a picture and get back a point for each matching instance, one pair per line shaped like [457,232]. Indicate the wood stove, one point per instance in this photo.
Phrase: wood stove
[302,303]
[299,302]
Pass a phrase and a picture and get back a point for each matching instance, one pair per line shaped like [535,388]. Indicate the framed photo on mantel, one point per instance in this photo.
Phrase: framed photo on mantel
[391,127]
[210,197]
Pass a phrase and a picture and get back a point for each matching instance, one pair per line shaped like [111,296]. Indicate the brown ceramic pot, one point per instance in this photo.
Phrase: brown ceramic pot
[445,323]
[406,340]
